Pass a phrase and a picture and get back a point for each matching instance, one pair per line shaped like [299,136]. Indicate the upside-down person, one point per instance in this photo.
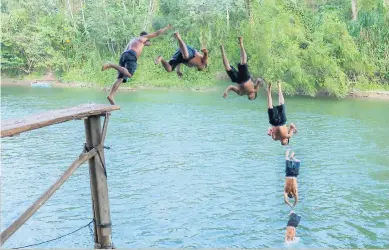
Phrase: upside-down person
[292,167]
[241,76]
[184,55]
[277,118]
[128,59]
[294,220]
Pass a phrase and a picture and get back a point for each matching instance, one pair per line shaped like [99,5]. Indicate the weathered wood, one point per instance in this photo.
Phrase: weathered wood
[99,186]
[105,128]
[34,207]
[12,127]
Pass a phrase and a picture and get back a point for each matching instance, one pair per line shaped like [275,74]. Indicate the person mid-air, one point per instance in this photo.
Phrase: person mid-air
[128,59]
[241,76]
[184,55]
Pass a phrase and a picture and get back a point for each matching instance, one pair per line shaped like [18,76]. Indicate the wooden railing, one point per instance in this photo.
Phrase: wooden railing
[93,152]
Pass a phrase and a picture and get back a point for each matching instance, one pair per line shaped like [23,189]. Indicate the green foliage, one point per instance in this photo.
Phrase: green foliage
[312,47]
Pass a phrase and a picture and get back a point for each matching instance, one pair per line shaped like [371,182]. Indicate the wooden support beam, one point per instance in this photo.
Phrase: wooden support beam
[34,207]
[98,182]
[13,127]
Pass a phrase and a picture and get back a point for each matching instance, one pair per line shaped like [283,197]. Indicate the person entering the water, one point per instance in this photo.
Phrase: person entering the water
[292,167]
[184,55]
[241,76]
[128,59]
[294,220]
[277,118]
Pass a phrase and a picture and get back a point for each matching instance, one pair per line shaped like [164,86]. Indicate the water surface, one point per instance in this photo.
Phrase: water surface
[190,169]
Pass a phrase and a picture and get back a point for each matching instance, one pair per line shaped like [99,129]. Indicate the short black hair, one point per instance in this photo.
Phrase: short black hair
[143,33]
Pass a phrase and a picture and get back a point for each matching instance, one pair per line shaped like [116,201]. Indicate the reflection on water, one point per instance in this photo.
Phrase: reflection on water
[189,169]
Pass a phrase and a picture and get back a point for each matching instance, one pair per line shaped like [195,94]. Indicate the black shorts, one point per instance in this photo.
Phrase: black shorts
[241,75]
[129,61]
[292,168]
[294,220]
[177,58]
[277,115]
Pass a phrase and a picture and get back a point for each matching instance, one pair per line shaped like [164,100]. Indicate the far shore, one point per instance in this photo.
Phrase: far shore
[373,94]
[58,84]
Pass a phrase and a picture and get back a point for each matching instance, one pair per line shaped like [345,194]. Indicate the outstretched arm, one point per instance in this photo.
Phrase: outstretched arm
[205,57]
[157,33]
[286,199]
[292,129]
[233,88]
[258,83]
[296,197]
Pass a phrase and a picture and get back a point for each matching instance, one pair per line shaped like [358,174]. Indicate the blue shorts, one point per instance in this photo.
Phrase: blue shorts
[178,58]
[292,168]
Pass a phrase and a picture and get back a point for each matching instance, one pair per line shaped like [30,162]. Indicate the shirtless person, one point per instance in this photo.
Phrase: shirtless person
[293,222]
[184,55]
[128,59]
[277,118]
[244,84]
[292,167]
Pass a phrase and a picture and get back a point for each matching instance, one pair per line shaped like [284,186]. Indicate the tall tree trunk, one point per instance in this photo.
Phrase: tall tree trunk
[249,9]
[108,30]
[71,13]
[354,10]
[83,16]
[228,19]
[147,17]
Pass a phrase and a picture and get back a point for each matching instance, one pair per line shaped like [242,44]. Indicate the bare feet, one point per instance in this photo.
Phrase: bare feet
[287,153]
[240,41]
[111,100]
[269,87]
[105,66]
[177,35]
[158,60]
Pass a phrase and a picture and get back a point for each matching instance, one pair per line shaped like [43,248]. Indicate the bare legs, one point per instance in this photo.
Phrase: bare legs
[165,64]
[281,99]
[287,154]
[121,69]
[269,98]
[243,55]
[182,45]
[183,49]
[119,81]
[280,95]
[114,88]
[226,63]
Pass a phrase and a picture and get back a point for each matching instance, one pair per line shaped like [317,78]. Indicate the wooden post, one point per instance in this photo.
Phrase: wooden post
[99,187]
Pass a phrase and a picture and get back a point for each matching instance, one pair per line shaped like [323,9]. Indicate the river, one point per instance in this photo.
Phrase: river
[191,169]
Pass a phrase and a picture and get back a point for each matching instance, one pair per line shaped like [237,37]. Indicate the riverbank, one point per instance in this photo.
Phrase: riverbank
[59,84]
[372,94]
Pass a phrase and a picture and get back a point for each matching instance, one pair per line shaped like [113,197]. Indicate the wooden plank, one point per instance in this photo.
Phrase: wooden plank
[34,207]
[13,127]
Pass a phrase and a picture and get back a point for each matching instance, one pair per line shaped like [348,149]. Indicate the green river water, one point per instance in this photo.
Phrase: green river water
[191,169]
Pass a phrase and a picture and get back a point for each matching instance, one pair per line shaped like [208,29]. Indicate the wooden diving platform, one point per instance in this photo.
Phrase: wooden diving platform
[92,152]
[17,126]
